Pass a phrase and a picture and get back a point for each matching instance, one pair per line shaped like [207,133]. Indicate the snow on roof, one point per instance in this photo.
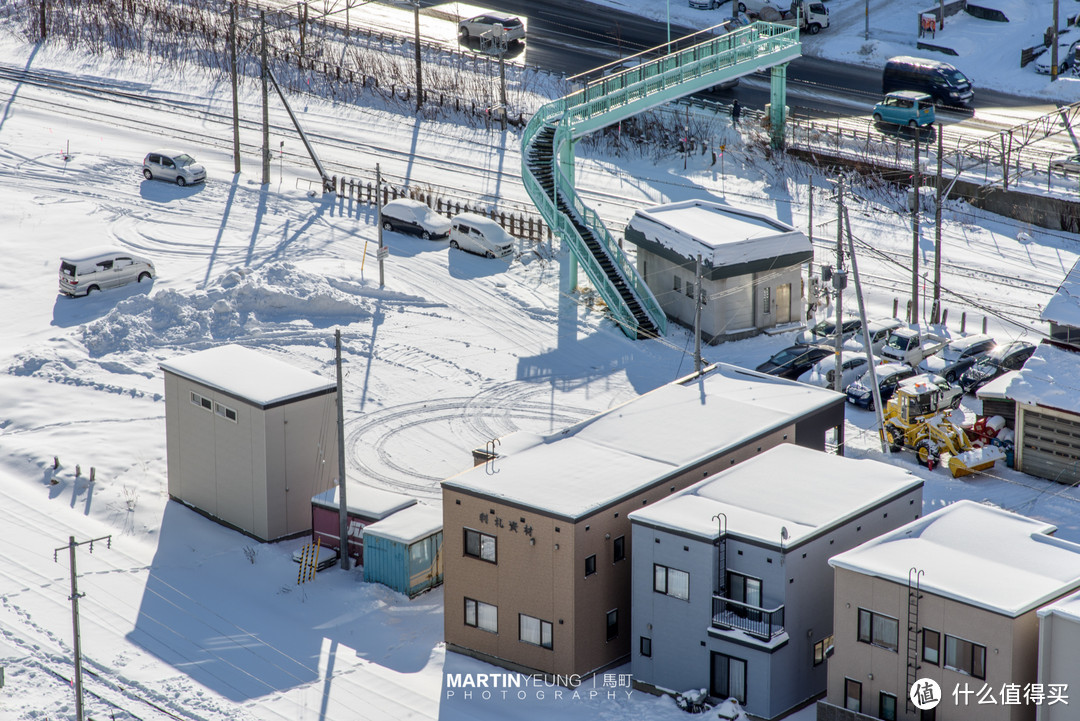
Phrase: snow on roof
[1050,377]
[721,234]
[995,389]
[88,254]
[1063,307]
[578,470]
[980,555]
[763,495]
[1068,607]
[253,376]
[409,525]
[364,501]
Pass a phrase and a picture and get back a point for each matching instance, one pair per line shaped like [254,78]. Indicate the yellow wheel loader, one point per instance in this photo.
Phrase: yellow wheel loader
[915,419]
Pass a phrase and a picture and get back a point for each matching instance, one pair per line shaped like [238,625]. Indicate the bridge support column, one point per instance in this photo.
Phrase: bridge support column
[569,262]
[778,105]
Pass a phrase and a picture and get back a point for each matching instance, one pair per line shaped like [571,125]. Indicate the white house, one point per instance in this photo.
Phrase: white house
[1062,311]
[1059,646]
[250,439]
[751,266]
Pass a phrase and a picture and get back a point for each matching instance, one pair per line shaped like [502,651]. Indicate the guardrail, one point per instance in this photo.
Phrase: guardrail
[759,622]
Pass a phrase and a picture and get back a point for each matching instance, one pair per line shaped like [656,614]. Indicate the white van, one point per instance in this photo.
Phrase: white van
[478,234]
[96,269]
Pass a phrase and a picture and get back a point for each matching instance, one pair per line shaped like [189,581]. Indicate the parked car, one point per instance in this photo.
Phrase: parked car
[889,376]
[946,84]
[477,26]
[174,166]
[908,345]
[825,332]
[879,330]
[823,373]
[952,360]
[1067,43]
[794,360]
[1003,358]
[951,395]
[754,7]
[97,269]
[481,235]
[1067,164]
[411,216]
[905,107]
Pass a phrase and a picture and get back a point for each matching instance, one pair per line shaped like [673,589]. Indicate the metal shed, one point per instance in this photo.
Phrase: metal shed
[366,505]
[404,551]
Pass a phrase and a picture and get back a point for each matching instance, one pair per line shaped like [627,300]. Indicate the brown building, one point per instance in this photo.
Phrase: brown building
[952,598]
[537,540]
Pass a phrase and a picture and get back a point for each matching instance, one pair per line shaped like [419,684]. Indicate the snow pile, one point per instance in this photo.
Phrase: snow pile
[239,304]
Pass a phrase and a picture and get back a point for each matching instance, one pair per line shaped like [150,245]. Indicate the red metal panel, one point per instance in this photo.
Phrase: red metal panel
[324,525]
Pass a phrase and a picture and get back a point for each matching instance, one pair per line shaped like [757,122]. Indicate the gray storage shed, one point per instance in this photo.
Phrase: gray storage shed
[250,439]
[751,266]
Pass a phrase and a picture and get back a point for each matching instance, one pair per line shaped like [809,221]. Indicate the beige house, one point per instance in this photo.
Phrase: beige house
[951,597]
[537,540]
[250,439]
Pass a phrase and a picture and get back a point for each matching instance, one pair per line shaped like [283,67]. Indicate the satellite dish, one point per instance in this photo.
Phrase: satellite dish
[783,532]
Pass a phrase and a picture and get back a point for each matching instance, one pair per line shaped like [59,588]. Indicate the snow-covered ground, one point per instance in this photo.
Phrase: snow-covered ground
[182,618]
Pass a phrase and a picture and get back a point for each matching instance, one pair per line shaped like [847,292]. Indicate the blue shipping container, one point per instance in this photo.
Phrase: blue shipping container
[404,550]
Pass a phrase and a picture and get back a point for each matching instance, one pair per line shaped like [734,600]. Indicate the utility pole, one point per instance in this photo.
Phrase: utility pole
[419,75]
[697,315]
[232,77]
[935,315]
[301,15]
[838,282]
[343,507]
[810,233]
[502,85]
[866,21]
[43,17]
[916,182]
[378,219]
[265,104]
[75,595]
[1054,46]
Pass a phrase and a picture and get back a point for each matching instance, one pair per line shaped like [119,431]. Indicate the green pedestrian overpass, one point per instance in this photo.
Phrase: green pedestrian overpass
[547,146]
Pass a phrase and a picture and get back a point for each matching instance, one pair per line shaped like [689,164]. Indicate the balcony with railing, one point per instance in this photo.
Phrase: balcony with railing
[762,623]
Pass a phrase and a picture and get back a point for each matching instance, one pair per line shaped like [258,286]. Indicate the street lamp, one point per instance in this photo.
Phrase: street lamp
[669,25]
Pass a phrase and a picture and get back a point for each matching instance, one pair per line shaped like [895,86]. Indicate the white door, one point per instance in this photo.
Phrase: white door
[783,303]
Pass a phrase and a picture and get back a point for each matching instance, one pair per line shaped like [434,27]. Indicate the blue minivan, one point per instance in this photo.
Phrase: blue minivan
[905,107]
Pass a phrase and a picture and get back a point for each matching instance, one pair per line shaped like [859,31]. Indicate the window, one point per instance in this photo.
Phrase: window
[200,401]
[480,545]
[689,289]
[671,582]
[590,565]
[618,549]
[852,695]
[878,630]
[612,623]
[821,650]
[766,299]
[678,283]
[886,706]
[225,412]
[534,631]
[481,615]
[728,677]
[105,265]
[931,646]
[745,589]
[965,656]
[646,646]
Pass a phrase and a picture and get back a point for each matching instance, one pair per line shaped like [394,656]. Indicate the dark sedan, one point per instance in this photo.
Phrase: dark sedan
[1004,358]
[794,360]
[889,375]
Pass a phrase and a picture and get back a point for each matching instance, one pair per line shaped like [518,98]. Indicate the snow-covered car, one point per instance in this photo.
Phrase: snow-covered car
[97,269]
[889,376]
[823,373]
[478,234]
[173,166]
[825,332]
[908,345]
[474,27]
[1067,164]
[952,360]
[879,330]
[1003,358]
[411,216]
[950,394]
[794,360]
[1067,43]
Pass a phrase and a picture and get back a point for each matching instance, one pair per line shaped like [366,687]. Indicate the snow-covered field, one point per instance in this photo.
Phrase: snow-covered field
[180,618]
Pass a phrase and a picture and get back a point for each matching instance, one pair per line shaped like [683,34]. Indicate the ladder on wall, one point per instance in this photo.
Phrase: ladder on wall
[721,556]
[914,594]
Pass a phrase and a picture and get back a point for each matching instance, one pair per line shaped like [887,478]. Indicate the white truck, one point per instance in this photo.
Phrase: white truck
[908,345]
[811,17]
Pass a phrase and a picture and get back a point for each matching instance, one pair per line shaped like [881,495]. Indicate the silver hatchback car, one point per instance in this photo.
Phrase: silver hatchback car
[101,268]
[174,166]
